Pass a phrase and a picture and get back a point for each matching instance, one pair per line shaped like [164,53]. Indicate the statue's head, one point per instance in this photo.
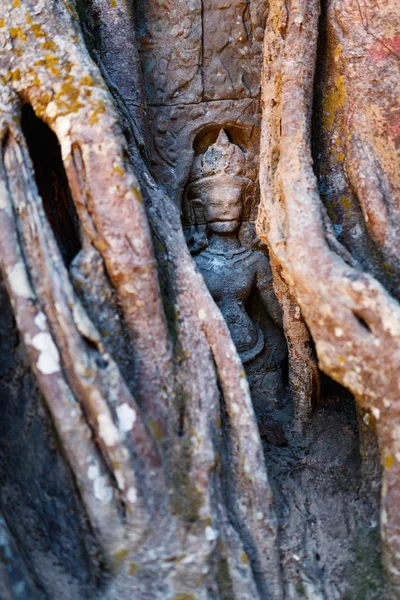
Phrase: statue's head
[216,186]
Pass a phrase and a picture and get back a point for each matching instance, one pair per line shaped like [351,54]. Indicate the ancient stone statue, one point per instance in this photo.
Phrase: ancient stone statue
[239,279]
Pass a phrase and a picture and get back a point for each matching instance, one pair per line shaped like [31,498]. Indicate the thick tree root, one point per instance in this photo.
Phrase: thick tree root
[354,322]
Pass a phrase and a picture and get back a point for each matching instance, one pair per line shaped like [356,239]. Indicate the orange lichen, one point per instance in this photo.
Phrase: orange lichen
[389,461]
[49,45]
[15,75]
[37,31]
[18,33]
[87,80]
[333,101]
[337,52]
[94,118]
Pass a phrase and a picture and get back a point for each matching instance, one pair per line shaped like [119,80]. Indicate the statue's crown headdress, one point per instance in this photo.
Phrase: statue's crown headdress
[221,159]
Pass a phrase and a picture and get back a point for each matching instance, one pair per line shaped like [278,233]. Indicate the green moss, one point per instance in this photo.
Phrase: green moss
[365,575]
[186,500]
[300,591]
[224,580]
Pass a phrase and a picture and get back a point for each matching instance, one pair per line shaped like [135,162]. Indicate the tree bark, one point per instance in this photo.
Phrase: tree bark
[353,320]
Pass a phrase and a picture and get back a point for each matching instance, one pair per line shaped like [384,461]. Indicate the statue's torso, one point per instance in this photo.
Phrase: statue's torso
[231,277]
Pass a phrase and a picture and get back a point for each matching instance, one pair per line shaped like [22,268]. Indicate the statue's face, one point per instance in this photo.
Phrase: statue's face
[224,208]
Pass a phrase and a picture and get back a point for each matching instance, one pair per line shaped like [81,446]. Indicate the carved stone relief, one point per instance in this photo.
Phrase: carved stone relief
[202,65]
[233,32]
[238,277]
[196,50]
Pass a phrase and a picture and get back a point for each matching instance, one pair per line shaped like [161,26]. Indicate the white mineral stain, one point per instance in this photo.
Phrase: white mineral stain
[376,412]
[119,476]
[93,472]
[4,199]
[126,417]
[102,491]
[63,126]
[211,534]
[338,332]
[49,358]
[107,430]
[40,321]
[202,314]
[132,495]
[244,385]
[19,281]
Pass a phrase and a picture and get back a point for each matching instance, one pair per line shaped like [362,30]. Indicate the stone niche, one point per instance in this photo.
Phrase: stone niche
[202,67]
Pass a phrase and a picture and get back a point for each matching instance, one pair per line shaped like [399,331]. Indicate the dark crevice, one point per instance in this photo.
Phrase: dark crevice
[363,323]
[52,183]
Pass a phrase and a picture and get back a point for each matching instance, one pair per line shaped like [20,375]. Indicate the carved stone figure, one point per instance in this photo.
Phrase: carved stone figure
[239,279]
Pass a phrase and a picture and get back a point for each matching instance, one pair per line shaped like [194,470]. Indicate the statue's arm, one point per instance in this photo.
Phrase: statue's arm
[265,288]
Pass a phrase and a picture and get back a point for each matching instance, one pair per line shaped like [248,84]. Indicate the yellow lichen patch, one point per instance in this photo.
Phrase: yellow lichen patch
[87,80]
[50,60]
[133,568]
[49,45]
[17,33]
[16,3]
[244,558]
[94,118]
[67,98]
[345,201]
[15,75]
[119,170]
[389,461]
[37,31]
[341,359]
[98,110]
[2,23]
[121,554]
[184,597]
[337,52]
[340,156]
[28,19]
[333,101]
[114,3]
[101,107]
